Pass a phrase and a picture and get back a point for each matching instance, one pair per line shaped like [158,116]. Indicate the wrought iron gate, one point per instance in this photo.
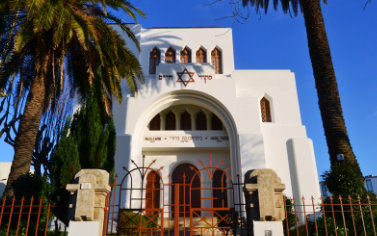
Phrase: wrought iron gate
[205,201]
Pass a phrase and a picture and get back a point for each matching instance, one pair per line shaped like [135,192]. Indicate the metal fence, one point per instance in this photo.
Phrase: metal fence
[27,217]
[331,216]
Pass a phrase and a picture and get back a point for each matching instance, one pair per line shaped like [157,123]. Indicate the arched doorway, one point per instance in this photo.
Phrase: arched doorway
[187,177]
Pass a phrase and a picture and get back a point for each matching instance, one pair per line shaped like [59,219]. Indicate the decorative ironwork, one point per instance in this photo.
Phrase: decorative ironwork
[200,201]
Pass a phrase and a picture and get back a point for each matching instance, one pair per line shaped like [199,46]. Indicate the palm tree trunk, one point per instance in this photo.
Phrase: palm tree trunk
[327,88]
[29,125]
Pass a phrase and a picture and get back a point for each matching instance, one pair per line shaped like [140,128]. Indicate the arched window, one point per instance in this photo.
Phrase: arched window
[216,123]
[152,193]
[265,110]
[185,174]
[217,60]
[154,60]
[185,121]
[201,121]
[219,189]
[170,121]
[201,55]
[186,55]
[155,123]
[170,56]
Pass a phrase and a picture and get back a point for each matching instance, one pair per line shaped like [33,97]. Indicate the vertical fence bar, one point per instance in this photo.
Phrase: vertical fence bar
[10,214]
[333,215]
[28,217]
[315,217]
[324,216]
[352,215]
[306,220]
[361,214]
[295,205]
[20,214]
[105,222]
[286,214]
[371,215]
[176,210]
[2,210]
[184,203]
[114,198]
[48,215]
[39,215]
[344,219]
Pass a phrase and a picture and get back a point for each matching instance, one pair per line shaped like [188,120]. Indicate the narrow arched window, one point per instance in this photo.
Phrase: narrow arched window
[216,123]
[155,123]
[152,194]
[170,56]
[265,110]
[186,55]
[170,121]
[201,56]
[217,60]
[201,121]
[185,121]
[154,60]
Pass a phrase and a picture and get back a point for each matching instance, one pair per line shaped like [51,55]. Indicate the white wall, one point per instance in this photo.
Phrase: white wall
[233,96]
[4,173]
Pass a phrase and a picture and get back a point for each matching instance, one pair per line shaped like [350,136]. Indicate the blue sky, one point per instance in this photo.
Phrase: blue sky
[278,41]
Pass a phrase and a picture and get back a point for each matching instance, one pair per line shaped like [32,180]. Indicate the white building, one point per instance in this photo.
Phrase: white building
[371,183]
[4,173]
[194,104]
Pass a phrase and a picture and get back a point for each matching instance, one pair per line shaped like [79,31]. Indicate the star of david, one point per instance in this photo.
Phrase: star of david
[185,72]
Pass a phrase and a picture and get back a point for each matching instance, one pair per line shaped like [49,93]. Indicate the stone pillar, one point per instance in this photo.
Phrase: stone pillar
[264,202]
[89,199]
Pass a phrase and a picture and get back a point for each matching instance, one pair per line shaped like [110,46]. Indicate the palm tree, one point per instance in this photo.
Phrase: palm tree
[48,44]
[327,89]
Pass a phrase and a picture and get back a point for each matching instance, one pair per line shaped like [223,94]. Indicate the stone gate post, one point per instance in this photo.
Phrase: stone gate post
[264,202]
[88,197]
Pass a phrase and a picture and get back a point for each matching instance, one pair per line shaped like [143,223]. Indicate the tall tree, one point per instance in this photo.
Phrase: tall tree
[50,40]
[327,89]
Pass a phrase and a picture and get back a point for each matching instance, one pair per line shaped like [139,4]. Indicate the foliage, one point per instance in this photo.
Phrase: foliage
[129,222]
[344,181]
[86,142]
[31,185]
[94,132]
[50,47]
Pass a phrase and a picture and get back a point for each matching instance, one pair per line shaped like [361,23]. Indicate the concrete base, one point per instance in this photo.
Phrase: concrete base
[83,228]
[268,228]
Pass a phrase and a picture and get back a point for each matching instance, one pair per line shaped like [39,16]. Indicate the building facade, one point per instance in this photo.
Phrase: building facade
[195,104]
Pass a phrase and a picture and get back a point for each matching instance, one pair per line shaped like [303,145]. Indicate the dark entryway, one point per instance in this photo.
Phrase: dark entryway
[188,178]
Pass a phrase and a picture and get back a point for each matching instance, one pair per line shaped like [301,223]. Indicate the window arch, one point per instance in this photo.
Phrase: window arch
[152,194]
[186,55]
[170,56]
[185,121]
[154,60]
[201,55]
[170,121]
[201,121]
[265,110]
[217,60]
[216,123]
[155,123]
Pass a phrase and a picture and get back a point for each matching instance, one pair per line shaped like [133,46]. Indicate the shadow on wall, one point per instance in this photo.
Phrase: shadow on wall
[2,188]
